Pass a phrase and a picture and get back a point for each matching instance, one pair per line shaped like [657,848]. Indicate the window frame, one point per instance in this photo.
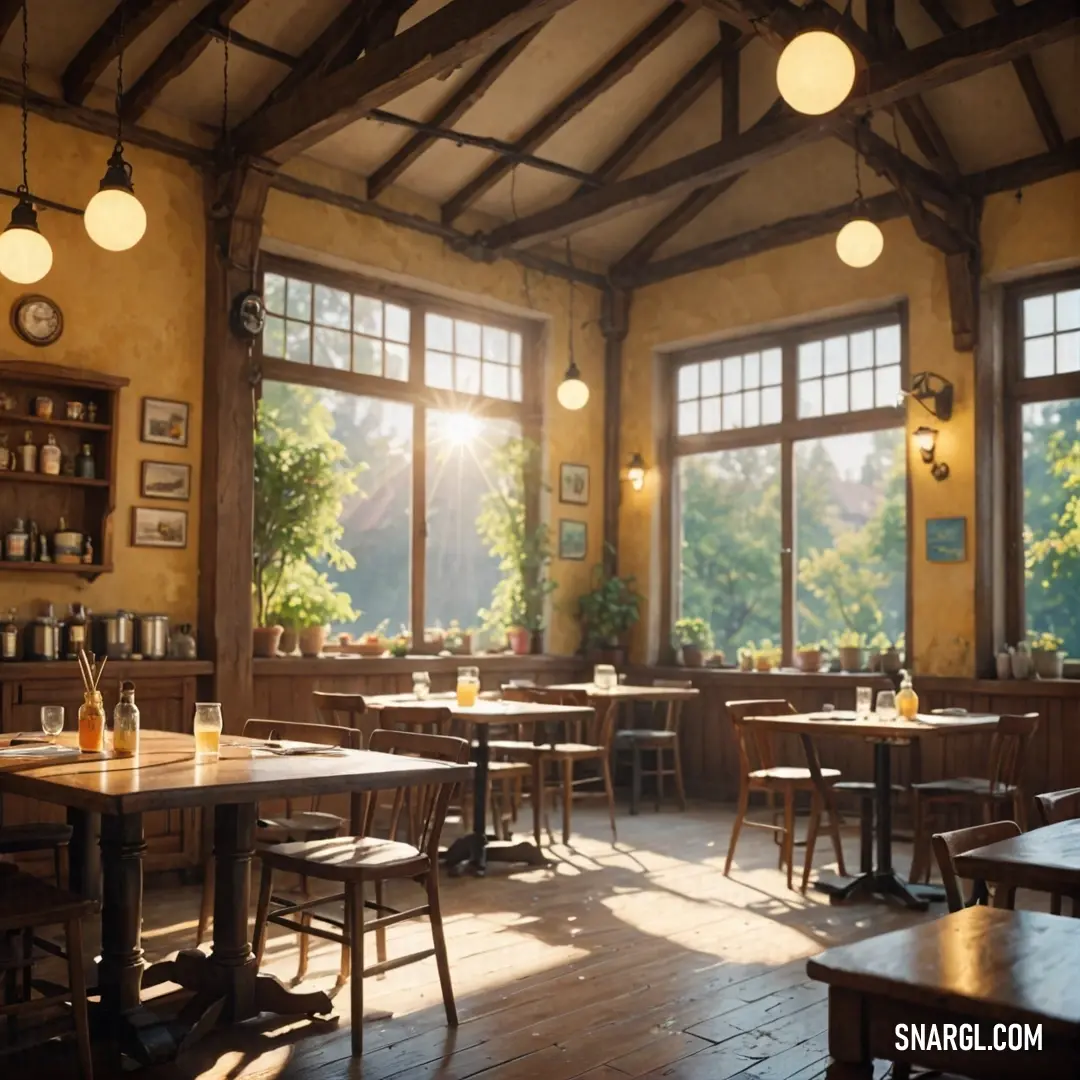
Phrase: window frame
[528,412]
[1021,390]
[790,430]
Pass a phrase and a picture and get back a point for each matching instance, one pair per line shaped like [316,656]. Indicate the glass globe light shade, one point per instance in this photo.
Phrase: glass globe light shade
[859,243]
[816,72]
[25,255]
[573,394]
[115,219]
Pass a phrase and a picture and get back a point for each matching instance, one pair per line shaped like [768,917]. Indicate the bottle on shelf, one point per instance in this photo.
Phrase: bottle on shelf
[75,626]
[17,543]
[49,457]
[67,544]
[9,637]
[88,552]
[84,463]
[43,549]
[126,722]
[26,454]
[907,701]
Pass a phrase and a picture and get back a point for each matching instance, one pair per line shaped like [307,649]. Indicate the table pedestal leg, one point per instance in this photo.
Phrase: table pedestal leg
[84,855]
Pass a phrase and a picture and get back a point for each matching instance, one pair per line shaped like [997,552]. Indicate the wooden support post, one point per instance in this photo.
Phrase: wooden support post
[962,271]
[614,322]
[235,204]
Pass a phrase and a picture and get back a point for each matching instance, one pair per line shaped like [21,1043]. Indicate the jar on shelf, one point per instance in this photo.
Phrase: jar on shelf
[84,463]
[26,454]
[49,457]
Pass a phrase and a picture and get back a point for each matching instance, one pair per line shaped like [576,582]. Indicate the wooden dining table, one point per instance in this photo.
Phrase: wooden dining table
[476,849]
[1046,860]
[882,879]
[989,973]
[164,776]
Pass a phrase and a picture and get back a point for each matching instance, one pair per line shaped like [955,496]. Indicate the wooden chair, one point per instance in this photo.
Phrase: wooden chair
[660,741]
[355,860]
[1055,806]
[21,839]
[26,903]
[585,741]
[948,845]
[1001,787]
[295,823]
[345,710]
[758,771]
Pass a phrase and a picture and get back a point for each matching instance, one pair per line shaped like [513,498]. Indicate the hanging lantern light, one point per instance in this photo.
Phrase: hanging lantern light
[25,255]
[860,241]
[573,393]
[816,72]
[115,219]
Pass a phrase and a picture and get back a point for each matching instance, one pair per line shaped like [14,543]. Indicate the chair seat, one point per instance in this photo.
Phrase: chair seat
[642,736]
[790,774]
[347,858]
[27,901]
[864,787]
[303,825]
[964,785]
[552,750]
[33,836]
[502,770]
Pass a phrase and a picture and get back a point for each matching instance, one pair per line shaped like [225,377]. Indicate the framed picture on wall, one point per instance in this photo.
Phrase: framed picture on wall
[573,540]
[152,526]
[574,484]
[165,422]
[165,480]
[946,539]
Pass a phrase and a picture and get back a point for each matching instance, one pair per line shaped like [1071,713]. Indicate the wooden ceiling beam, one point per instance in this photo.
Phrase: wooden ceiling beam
[616,67]
[103,45]
[10,10]
[1020,174]
[377,29]
[178,55]
[452,109]
[937,63]
[453,34]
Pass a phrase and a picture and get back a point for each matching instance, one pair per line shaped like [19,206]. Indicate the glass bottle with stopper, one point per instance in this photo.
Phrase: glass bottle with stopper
[126,722]
[49,456]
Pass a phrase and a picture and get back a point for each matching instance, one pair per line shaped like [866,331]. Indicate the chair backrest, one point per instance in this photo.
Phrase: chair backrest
[595,730]
[673,710]
[950,844]
[756,744]
[346,710]
[294,731]
[1055,806]
[421,809]
[1008,748]
[417,718]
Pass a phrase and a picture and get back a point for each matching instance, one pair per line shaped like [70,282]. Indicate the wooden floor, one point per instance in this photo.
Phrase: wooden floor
[634,960]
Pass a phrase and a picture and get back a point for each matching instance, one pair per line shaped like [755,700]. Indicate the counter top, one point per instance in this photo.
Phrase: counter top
[29,671]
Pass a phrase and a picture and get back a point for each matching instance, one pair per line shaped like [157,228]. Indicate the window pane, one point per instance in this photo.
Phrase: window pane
[710,414]
[836,355]
[466,338]
[397,361]
[888,386]
[439,371]
[367,356]
[862,350]
[332,348]
[332,307]
[732,374]
[467,375]
[496,345]
[752,408]
[688,418]
[771,367]
[862,390]
[771,405]
[298,342]
[397,324]
[810,360]
[810,398]
[367,315]
[376,516]
[1068,353]
[463,464]
[887,340]
[515,384]
[710,378]
[515,350]
[440,333]
[273,343]
[274,293]
[729,544]
[298,305]
[1039,357]
[1038,315]
[836,394]
[1068,310]
[850,535]
[732,411]
[688,381]
[752,369]
[1051,442]
[496,381]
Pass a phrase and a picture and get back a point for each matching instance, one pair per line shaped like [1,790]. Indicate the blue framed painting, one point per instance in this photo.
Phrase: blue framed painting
[946,539]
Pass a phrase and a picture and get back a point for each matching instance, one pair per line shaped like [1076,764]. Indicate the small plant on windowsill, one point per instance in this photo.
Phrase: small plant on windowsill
[607,614]
[849,647]
[694,637]
[305,604]
[745,656]
[399,645]
[1047,658]
[767,657]
[809,657]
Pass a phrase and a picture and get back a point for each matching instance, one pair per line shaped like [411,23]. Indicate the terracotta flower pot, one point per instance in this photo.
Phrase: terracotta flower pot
[266,640]
[1048,665]
[288,642]
[692,656]
[312,640]
[520,640]
[808,660]
[851,658]
[746,662]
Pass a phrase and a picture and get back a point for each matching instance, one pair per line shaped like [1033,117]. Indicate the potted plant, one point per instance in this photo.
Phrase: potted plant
[767,657]
[694,637]
[300,481]
[305,604]
[522,546]
[745,656]
[1047,659]
[457,641]
[808,657]
[892,657]
[849,647]
[607,613]
[399,645]
[879,643]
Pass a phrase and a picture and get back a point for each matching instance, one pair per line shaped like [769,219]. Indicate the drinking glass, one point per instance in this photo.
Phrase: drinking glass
[52,720]
[886,706]
[864,700]
[207,728]
[468,686]
[604,677]
[421,685]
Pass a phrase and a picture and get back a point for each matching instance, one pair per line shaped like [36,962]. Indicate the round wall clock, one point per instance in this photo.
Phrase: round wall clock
[37,319]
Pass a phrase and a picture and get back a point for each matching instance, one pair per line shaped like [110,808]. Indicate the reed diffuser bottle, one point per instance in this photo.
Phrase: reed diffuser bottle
[92,710]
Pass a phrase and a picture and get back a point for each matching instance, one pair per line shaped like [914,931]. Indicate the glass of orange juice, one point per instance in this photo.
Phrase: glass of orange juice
[207,729]
[468,686]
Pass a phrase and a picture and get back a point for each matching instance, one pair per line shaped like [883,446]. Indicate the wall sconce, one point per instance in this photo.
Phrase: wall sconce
[635,471]
[933,392]
[926,440]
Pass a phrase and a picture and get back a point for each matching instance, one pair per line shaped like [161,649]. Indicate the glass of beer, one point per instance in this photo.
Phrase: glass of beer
[207,728]
[468,686]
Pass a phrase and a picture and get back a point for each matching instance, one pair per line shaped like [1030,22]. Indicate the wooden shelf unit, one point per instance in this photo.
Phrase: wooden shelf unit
[85,505]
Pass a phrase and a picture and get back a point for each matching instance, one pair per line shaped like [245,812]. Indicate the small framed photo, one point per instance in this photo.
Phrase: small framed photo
[165,422]
[573,540]
[946,539]
[165,480]
[153,527]
[574,484]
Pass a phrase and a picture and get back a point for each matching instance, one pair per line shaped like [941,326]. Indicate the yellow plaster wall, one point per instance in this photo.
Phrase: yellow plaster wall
[807,282]
[138,314]
[317,230]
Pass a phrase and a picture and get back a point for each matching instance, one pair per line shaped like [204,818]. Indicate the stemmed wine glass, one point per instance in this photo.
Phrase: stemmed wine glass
[52,720]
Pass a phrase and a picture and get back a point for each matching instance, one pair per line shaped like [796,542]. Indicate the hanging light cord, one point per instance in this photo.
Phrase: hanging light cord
[120,83]
[225,92]
[24,187]
[858,153]
[570,313]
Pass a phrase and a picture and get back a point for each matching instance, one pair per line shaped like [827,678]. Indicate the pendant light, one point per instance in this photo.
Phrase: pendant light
[573,393]
[860,241]
[115,219]
[25,255]
[816,71]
